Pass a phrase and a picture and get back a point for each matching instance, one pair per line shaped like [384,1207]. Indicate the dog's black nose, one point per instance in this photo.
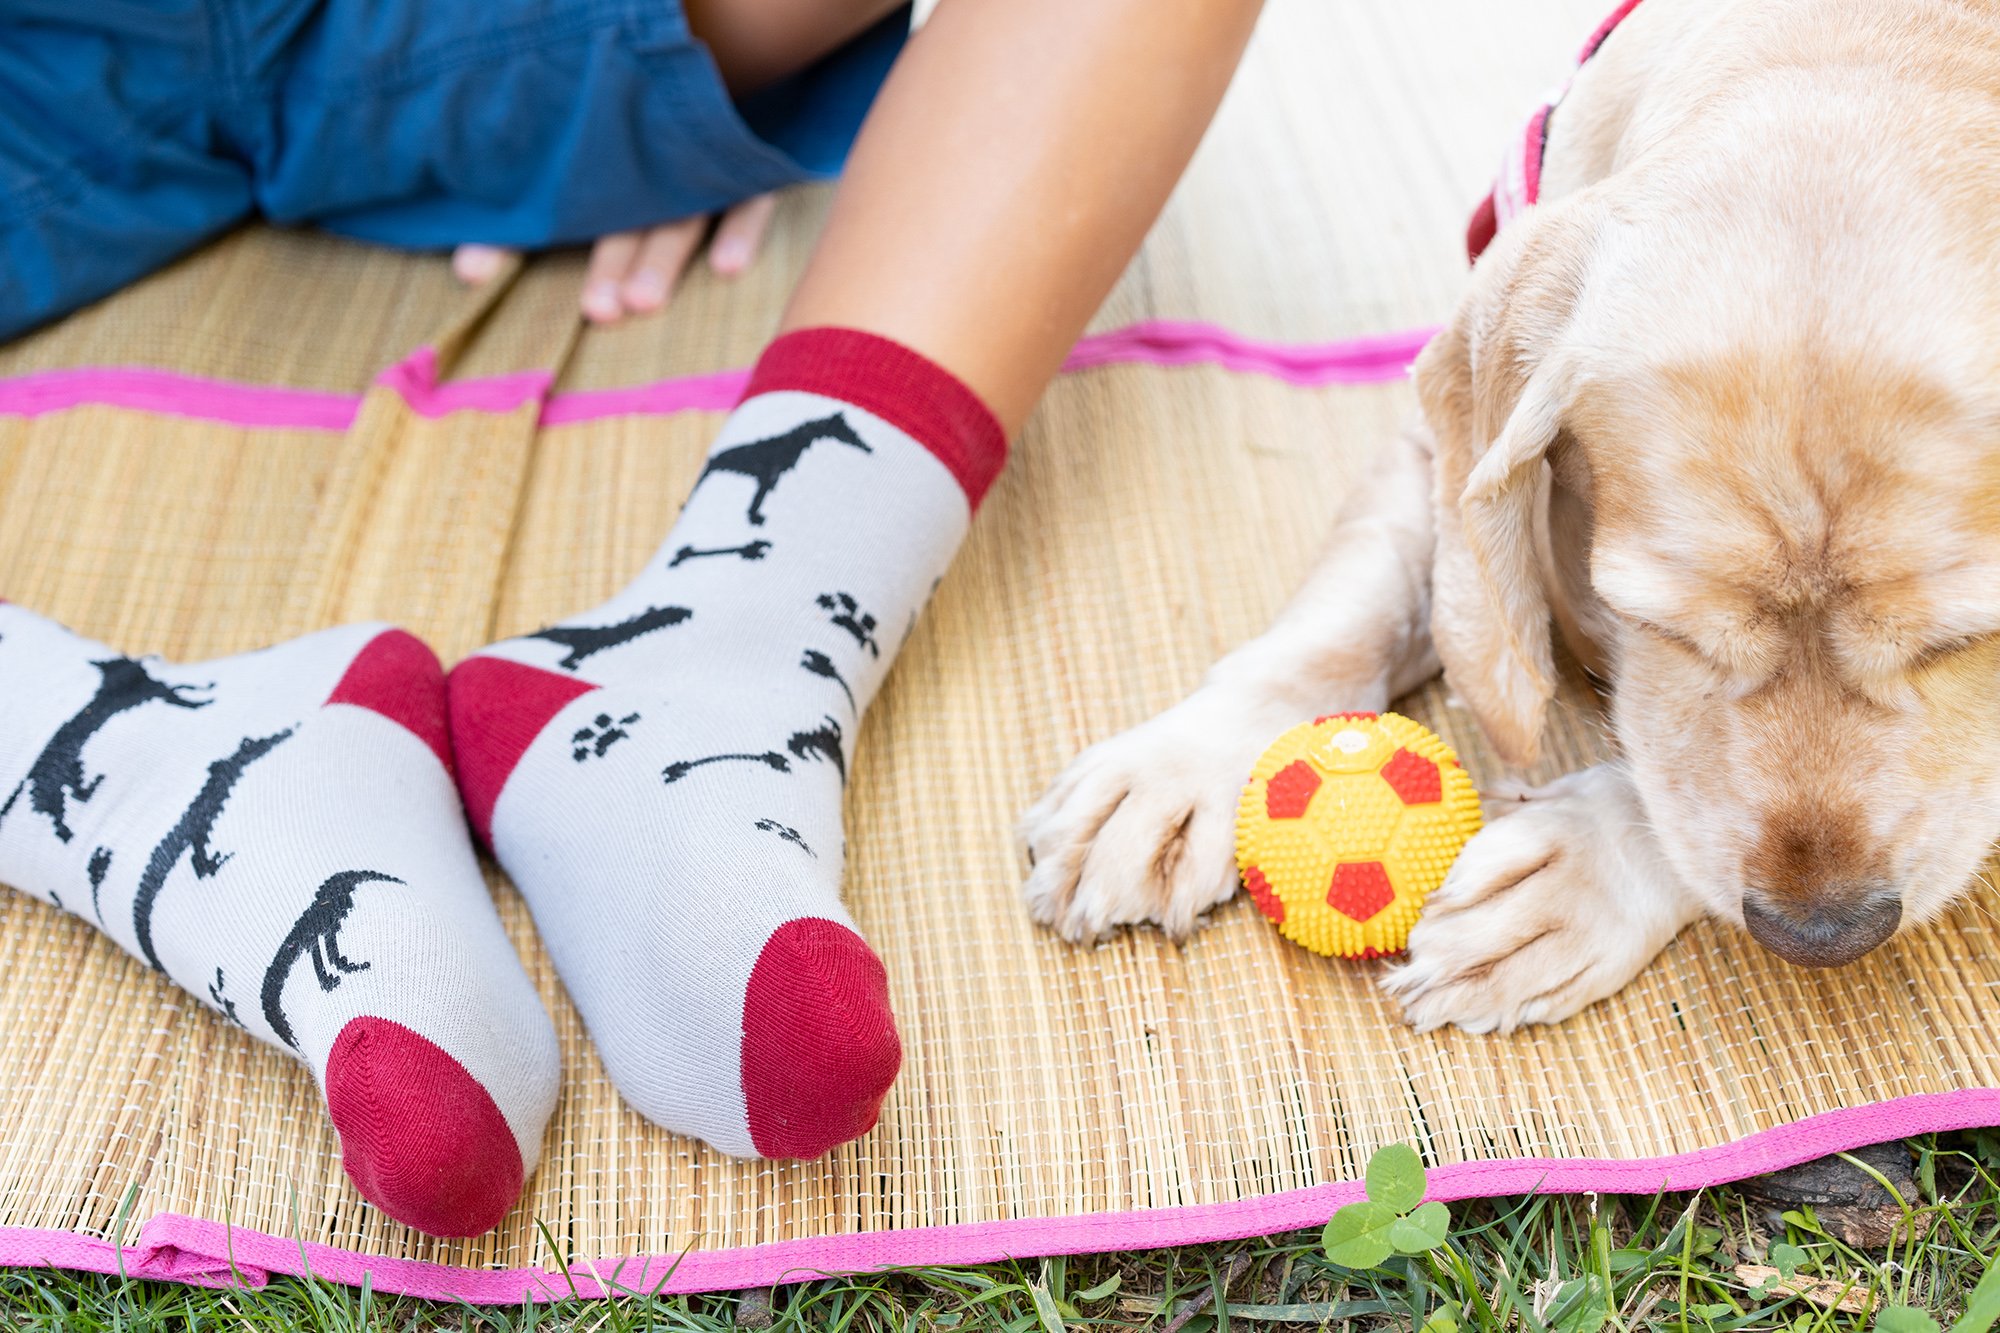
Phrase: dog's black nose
[1833,925]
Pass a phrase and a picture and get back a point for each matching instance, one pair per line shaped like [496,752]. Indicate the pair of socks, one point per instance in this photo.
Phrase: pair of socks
[281,833]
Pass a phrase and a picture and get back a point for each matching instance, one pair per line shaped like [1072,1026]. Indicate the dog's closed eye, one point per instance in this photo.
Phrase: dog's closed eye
[1739,665]
[1888,655]
[1686,644]
[1945,664]
[1692,606]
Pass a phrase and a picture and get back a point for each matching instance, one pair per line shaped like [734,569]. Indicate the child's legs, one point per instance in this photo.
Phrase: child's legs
[1012,164]
[663,774]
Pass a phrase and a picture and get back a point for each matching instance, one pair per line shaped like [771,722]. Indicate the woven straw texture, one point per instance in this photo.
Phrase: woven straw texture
[1151,519]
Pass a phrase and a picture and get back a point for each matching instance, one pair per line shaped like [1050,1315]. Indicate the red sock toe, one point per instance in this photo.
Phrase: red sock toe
[419,1137]
[819,1043]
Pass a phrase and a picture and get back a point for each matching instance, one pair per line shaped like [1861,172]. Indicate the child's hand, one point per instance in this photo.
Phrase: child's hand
[635,272]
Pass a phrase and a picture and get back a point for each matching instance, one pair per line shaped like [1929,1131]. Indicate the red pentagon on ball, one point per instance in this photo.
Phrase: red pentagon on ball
[1290,790]
[1414,778]
[1269,903]
[1360,889]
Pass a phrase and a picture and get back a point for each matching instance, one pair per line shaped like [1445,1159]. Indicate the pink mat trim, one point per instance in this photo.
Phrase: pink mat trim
[715,392]
[170,393]
[415,378]
[174,1248]
[1374,359]
[1369,360]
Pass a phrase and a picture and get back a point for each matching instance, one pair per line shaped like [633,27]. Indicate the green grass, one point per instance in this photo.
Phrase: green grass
[1562,1264]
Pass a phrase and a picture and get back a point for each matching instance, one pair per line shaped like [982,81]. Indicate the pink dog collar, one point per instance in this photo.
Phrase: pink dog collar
[1520,183]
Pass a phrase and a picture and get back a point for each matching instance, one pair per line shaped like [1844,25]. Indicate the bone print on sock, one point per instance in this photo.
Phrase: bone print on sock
[747,551]
[279,834]
[685,876]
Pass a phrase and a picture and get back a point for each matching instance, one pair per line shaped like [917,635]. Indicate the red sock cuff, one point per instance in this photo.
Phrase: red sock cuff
[909,391]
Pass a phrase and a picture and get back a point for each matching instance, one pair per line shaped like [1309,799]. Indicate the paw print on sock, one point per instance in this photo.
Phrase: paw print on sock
[789,834]
[602,733]
[846,614]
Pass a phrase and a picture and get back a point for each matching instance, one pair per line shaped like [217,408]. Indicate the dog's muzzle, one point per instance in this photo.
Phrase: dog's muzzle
[1833,926]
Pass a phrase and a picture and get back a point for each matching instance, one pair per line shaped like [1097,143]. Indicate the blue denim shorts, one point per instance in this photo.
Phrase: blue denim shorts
[131,130]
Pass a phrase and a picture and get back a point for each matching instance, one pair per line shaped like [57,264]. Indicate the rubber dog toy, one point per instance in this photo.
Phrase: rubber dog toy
[1347,824]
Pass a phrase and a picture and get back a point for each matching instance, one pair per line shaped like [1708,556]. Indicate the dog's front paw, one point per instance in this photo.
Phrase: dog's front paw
[1551,908]
[1142,827]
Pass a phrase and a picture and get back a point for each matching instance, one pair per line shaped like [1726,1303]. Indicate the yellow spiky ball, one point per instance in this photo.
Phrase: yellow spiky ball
[1347,824]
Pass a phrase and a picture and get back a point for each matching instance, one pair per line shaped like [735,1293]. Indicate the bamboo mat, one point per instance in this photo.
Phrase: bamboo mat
[1150,520]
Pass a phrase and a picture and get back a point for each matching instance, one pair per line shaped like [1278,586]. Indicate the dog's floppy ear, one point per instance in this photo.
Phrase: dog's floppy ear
[1496,387]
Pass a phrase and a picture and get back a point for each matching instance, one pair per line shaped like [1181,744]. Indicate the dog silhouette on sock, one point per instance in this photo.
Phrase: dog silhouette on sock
[57,774]
[316,935]
[189,836]
[765,461]
[588,640]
